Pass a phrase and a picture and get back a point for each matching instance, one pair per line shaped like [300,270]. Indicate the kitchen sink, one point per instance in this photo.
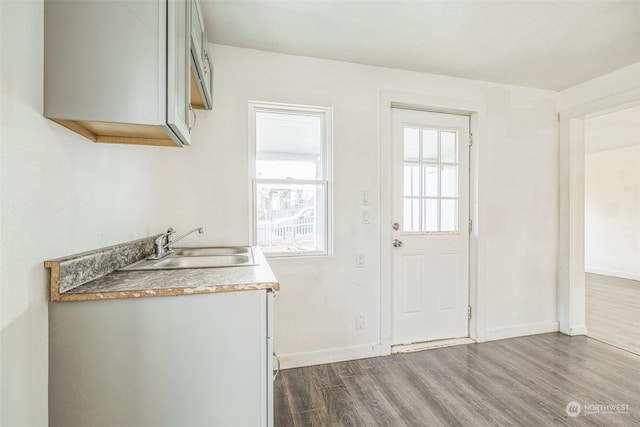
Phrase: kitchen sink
[206,257]
[215,251]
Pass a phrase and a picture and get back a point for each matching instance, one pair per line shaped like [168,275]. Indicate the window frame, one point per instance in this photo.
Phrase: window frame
[326,115]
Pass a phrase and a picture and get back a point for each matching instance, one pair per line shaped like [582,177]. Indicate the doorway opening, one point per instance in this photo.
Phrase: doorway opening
[612,228]
[571,263]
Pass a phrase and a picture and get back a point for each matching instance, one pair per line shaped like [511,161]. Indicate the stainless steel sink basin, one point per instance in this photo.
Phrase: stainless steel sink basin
[203,261]
[211,257]
[215,251]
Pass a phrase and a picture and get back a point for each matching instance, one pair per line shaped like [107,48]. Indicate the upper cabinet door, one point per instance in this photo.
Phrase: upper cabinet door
[201,92]
[178,68]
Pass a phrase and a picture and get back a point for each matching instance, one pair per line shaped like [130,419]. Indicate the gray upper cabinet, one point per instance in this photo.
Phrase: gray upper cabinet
[119,71]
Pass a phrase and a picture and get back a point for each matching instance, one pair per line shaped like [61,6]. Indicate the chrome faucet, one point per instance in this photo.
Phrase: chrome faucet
[164,243]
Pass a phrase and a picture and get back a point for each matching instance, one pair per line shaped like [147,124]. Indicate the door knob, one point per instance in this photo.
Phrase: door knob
[397,243]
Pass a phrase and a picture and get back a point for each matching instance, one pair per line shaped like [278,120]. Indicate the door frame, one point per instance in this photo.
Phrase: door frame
[388,100]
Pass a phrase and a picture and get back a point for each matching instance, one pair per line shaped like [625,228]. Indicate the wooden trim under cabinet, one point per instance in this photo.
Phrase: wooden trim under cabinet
[119,133]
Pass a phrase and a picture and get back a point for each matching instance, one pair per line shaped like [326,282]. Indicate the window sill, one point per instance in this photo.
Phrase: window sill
[298,255]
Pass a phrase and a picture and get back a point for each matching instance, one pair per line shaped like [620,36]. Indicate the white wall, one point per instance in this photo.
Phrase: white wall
[321,297]
[612,212]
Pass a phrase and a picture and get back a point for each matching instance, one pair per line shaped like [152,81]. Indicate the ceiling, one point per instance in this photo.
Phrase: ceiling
[543,44]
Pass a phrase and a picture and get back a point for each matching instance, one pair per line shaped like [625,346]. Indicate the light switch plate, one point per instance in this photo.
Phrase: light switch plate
[366,216]
[364,198]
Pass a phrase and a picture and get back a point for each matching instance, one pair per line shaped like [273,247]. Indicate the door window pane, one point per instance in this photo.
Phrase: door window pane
[430,216]
[449,215]
[411,144]
[411,217]
[430,180]
[430,145]
[448,146]
[449,181]
[411,180]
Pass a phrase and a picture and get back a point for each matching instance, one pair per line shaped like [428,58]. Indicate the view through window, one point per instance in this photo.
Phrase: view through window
[291,185]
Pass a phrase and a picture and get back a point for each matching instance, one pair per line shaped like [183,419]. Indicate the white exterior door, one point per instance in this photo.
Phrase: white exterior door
[430,211]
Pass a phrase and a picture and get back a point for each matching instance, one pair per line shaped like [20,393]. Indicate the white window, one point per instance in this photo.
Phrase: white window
[291,181]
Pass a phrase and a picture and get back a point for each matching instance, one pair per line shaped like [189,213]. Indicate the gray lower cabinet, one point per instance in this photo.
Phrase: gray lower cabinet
[120,71]
[194,360]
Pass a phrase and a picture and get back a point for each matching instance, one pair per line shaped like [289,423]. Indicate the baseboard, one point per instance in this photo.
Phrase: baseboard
[297,360]
[612,273]
[519,331]
[575,330]
[578,330]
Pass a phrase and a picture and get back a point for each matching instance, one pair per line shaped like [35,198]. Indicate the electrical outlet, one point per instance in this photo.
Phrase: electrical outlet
[359,260]
[361,322]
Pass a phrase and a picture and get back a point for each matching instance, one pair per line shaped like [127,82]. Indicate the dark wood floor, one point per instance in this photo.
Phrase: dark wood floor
[524,381]
[613,311]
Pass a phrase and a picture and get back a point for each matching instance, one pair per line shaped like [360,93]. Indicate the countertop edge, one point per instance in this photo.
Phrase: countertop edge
[169,291]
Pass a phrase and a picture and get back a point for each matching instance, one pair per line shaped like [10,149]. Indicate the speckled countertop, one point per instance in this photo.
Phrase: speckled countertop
[115,284]
[135,284]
